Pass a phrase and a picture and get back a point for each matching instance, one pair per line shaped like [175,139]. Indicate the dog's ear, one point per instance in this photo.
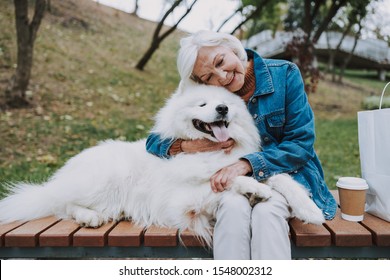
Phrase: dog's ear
[184,85]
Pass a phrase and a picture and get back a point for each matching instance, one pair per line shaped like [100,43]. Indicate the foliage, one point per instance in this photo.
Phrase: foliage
[294,16]
[302,51]
[268,19]
[372,102]
[313,17]
[256,16]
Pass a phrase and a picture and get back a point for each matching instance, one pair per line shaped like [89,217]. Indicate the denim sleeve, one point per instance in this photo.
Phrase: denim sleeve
[157,146]
[297,145]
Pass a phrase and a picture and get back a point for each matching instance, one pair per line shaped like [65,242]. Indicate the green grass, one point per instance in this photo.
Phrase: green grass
[338,149]
[84,86]
[367,78]
[373,102]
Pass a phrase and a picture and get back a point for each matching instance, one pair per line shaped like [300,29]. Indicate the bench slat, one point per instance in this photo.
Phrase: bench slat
[27,234]
[346,233]
[379,228]
[60,234]
[125,234]
[160,237]
[52,232]
[189,239]
[336,196]
[5,228]
[308,235]
[92,237]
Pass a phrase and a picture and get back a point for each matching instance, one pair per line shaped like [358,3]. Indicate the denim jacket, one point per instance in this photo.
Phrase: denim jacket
[285,120]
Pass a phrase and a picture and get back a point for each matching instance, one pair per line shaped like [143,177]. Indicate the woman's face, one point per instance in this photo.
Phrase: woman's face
[219,66]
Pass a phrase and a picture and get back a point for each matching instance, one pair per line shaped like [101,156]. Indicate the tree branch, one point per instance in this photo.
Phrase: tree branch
[40,8]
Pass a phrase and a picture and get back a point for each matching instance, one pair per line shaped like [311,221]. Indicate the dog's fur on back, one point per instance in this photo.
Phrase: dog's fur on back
[117,179]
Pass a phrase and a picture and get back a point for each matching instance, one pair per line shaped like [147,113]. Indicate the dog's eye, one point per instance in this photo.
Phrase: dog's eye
[202,105]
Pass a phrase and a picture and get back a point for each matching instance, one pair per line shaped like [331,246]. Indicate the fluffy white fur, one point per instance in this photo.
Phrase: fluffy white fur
[117,179]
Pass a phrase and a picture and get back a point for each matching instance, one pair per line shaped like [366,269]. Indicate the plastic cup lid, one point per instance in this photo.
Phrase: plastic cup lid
[352,183]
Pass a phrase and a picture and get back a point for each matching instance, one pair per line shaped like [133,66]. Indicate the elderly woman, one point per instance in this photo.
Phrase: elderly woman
[274,93]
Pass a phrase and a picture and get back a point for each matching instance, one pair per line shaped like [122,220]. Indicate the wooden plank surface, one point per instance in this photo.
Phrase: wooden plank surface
[379,228]
[92,237]
[309,235]
[50,231]
[346,233]
[126,233]
[335,194]
[60,234]
[189,239]
[27,234]
[160,237]
[5,228]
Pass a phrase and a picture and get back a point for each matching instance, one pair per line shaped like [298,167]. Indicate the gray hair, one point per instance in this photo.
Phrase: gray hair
[190,46]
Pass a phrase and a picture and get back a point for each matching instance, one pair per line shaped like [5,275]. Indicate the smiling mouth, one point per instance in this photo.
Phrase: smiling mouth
[216,129]
[231,80]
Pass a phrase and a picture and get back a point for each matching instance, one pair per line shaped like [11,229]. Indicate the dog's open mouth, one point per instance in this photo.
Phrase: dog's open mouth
[216,129]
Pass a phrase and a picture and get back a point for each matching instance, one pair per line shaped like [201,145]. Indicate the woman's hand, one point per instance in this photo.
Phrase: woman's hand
[222,178]
[205,145]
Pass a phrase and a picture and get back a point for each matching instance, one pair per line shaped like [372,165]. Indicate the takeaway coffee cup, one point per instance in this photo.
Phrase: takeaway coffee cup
[352,193]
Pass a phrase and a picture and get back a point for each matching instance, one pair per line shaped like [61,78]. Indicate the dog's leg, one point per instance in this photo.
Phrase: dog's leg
[254,190]
[84,216]
[303,207]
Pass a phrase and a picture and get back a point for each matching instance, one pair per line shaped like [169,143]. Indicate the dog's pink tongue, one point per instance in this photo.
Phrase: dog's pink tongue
[220,132]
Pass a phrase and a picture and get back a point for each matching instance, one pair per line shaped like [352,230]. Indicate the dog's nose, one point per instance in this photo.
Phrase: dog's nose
[222,109]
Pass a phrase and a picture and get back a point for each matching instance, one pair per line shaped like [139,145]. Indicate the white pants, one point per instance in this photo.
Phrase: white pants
[242,232]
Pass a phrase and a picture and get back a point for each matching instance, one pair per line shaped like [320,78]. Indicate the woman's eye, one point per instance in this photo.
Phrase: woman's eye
[219,63]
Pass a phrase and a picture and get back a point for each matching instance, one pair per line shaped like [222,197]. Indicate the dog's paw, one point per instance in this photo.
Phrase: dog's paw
[254,198]
[264,191]
[89,218]
[309,214]
[247,185]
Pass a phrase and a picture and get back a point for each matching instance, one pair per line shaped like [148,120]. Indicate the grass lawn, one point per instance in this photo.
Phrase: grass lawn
[85,89]
[338,149]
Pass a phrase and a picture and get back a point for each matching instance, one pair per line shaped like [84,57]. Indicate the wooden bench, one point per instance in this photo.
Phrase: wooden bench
[53,238]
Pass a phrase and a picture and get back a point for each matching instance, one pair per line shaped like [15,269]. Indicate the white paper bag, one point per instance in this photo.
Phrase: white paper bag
[374,147]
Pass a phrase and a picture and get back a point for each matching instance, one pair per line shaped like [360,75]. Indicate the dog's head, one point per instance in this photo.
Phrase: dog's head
[201,111]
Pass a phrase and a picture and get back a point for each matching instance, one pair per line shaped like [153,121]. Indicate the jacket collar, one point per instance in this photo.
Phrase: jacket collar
[264,83]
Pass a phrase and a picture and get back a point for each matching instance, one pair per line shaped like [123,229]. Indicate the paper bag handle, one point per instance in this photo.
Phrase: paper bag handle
[383,92]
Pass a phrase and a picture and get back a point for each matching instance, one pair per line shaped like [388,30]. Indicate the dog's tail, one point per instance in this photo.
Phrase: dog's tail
[26,202]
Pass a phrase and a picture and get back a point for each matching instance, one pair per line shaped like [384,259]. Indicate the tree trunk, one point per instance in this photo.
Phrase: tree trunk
[336,5]
[148,54]
[338,47]
[26,34]
[157,38]
[136,6]
[330,65]
[349,56]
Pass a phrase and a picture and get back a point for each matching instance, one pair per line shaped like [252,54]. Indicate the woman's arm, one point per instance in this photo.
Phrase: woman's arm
[158,146]
[166,148]
[297,145]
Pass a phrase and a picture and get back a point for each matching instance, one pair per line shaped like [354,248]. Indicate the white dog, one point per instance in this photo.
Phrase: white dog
[117,180]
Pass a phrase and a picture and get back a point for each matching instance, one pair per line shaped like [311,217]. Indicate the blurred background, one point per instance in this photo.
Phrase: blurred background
[73,73]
